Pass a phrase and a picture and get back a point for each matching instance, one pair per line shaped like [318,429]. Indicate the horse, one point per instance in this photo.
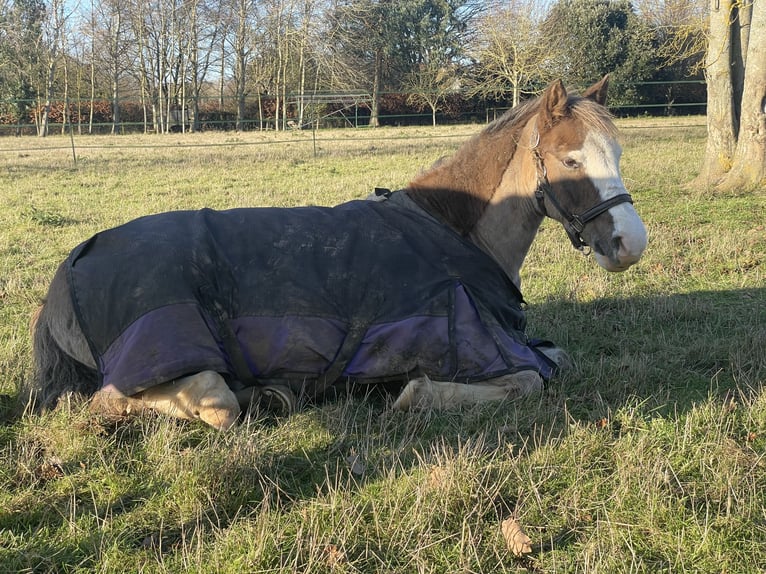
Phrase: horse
[437,304]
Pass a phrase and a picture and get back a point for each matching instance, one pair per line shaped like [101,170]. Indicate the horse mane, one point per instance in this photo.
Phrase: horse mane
[457,189]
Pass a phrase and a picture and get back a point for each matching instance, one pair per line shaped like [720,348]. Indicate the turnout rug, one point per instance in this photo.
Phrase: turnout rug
[367,291]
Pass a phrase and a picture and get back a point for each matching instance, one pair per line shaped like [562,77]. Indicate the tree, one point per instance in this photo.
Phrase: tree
[385,40]
[113,44]
[735,154]
[438,31]
[599,37]
[680,27]
[364,32]
[21,50]
[749,163]
[203,22]
[53,31]
[430,84]
[509,50]
[242,48]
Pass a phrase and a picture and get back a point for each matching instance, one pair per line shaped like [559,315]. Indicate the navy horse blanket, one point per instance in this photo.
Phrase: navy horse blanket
[367,291]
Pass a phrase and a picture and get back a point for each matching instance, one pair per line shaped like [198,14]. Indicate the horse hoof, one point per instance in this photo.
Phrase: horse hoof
[559,356]
[524,383]
[220,418]
[208,398]
[110,404]
[275,399]
[279,397]
[417,394]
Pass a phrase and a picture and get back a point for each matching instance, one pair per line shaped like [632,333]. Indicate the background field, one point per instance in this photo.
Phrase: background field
[647,457]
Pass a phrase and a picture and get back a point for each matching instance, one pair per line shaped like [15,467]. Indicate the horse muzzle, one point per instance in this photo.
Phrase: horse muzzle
[627,242]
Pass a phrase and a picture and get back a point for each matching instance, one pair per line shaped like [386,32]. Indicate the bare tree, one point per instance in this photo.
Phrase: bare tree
[243,12]
[204,23]
[430,84]
[363,31]
[160,39]
[681,29]
[53,33]
[509,49]
[111,53]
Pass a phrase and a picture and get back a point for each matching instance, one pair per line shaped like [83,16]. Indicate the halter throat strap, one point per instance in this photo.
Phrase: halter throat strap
[573,223]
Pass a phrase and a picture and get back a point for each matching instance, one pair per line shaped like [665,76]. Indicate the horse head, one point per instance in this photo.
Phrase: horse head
[576,160]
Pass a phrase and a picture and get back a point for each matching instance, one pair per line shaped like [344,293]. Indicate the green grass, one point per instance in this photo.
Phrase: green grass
[647,457]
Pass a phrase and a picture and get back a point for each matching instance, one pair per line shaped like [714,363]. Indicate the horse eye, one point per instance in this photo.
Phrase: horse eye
[571,163]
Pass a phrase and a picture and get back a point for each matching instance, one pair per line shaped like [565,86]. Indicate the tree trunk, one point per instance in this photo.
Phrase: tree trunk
[57,30]
[721,120]
[115,106]
[375,104]
[114,50]
[92,88]
[240,71]
[43,126]
[66,117]
[749,165]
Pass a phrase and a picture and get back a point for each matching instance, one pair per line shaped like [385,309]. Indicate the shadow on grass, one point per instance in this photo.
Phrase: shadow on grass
[665,351]
[662,354]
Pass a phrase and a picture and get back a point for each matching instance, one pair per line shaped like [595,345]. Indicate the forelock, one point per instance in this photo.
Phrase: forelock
[593,115]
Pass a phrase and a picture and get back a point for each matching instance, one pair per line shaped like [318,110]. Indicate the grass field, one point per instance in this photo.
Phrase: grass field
[647,457]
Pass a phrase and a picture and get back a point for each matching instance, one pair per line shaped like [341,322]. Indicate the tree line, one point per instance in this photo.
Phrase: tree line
[162,64]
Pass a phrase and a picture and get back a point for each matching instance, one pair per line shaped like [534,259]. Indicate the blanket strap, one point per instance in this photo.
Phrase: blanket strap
[354,336]
[228,338]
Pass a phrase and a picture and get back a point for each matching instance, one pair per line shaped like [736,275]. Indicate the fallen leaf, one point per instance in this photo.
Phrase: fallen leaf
[50,469]
[356,464]
[518,542]
[438,477]
[152,542]
[334,556]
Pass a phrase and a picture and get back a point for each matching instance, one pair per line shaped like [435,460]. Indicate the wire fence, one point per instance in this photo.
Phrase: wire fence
[301,112]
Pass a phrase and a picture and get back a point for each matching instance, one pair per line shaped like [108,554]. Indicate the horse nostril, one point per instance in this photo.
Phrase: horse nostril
[617,245]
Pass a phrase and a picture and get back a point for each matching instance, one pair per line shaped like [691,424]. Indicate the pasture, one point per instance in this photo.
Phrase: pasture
[647,457]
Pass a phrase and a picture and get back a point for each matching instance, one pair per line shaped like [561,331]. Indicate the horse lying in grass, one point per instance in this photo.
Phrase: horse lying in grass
[198,314]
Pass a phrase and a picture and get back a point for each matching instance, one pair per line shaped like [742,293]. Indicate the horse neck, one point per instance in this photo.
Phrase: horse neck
[485,192]
[458,189]
[509,225]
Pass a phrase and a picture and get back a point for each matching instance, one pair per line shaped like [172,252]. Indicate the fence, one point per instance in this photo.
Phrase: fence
[315,111]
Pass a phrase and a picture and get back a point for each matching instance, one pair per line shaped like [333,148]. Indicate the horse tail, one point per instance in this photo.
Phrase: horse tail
[56,374]
[62,361]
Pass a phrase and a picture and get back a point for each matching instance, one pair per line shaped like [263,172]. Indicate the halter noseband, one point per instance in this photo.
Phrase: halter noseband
[573,223]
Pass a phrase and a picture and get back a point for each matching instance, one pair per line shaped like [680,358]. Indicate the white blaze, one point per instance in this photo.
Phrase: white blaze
[600,158]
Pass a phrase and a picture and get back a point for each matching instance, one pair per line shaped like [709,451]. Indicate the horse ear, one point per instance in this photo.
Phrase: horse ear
[553,104]
[597,92]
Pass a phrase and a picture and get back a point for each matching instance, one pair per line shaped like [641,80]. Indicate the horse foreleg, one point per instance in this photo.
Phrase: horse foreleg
[423,393]
[204,396]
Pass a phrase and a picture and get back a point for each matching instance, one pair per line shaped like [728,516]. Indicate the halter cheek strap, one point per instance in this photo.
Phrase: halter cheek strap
[573,223]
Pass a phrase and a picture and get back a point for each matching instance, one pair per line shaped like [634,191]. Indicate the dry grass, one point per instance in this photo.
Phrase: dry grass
[647,457]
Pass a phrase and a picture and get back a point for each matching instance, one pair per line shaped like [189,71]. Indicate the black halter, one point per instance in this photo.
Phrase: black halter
[573,223]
